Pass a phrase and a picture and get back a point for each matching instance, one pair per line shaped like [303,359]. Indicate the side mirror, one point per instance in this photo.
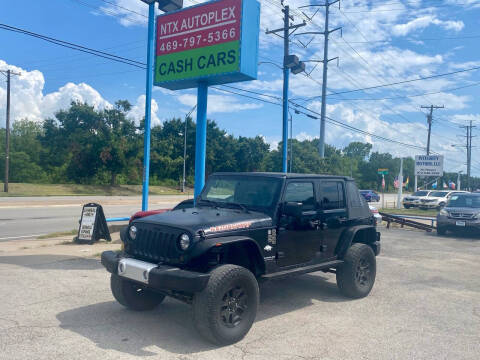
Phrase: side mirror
[292,209]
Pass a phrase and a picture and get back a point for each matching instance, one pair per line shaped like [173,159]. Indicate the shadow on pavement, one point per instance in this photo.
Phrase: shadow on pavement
[170,326]
[52,262]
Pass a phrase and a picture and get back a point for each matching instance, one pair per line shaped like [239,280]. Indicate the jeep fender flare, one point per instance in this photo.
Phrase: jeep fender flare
[349,234]
[218,242]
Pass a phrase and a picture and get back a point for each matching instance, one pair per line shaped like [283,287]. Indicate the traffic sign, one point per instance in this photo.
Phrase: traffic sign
[382,171]
[212,43]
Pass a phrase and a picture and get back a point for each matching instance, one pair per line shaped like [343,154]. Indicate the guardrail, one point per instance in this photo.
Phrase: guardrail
[118,219]
[403,220]
[433,220]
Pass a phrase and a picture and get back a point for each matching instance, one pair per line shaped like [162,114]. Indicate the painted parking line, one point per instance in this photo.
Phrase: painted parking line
[21,237]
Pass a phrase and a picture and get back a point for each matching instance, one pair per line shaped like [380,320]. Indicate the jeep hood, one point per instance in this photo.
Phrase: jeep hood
[209,219]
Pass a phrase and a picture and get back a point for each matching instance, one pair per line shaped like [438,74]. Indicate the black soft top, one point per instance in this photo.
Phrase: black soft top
[283,175]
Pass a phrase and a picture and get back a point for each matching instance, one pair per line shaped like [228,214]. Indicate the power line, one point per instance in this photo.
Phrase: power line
[404,81]
[413,39]
[124,8]
[77,47]
[407,8]
[414,95]
[330,120]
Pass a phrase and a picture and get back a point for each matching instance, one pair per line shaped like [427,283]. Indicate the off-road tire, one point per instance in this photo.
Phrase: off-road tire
[356,276]
[132,295]
[209,306]
[441,231]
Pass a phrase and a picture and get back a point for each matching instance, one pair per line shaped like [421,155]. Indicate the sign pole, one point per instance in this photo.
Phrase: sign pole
[201,139]
[286,73]
[148,105]
[383,191]
[400,184]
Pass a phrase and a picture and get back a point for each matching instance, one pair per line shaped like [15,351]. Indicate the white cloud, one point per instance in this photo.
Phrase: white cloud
[219,103]
[137,113]
[462,118]
[302,136]
[424,21]
[29,101]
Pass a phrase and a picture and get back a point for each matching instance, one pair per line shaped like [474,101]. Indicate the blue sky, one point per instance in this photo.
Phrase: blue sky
[383,42]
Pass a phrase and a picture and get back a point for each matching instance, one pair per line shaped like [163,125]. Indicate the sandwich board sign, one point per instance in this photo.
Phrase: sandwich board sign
[93,225]
[429,165]
[214,42]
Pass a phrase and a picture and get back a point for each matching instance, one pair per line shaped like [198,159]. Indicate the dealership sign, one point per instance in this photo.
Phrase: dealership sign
[429,165]
[214,43]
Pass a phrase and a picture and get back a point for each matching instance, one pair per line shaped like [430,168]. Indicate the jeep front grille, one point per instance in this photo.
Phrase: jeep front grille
[155,243]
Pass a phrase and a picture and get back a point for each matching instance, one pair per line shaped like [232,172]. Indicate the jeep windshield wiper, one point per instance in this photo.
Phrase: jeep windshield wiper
[208,202]
[240,206]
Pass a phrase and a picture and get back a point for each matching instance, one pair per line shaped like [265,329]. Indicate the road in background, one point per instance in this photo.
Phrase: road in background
[29,217]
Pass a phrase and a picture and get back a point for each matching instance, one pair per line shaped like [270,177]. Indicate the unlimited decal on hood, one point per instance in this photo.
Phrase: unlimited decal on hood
[228,227]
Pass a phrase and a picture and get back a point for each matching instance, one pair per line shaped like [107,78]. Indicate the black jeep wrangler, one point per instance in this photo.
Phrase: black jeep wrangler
[245,228]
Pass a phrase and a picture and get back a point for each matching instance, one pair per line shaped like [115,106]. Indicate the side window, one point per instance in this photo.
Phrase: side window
[355,199]
[332,195]
[301,192]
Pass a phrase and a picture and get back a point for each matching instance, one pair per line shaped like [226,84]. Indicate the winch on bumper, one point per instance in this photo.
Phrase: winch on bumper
[158,277]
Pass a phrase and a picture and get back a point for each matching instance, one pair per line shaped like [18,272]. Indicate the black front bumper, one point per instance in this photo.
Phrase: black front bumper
[163,277]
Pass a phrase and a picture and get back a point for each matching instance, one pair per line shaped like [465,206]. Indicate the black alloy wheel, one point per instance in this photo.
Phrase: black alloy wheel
[225,310]
[234,305]
[362,273]
[356,276]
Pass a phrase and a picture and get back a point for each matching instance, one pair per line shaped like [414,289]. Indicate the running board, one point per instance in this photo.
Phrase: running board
[302,270]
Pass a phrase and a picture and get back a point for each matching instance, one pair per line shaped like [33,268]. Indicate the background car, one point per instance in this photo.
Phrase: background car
[376,214]
[438,199]
[370,195]
[462,212]
[414,199]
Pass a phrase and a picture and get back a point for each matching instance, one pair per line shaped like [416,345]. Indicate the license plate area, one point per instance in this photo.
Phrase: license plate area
[460,223]
[135,269]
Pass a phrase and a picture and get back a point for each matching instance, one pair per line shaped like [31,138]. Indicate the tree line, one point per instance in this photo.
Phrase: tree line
[84,145]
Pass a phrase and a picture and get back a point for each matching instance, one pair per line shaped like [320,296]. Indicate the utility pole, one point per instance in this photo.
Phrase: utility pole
[325,61]
[469,151]
[185,147]
[327,32]
[429,120]
[290,62]
[8,73]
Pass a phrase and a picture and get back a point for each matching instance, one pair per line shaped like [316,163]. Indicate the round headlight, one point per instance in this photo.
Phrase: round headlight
[184,241]
[132,232]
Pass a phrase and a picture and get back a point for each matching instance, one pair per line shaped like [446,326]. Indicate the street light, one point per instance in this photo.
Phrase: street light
[165,6]
[185,146]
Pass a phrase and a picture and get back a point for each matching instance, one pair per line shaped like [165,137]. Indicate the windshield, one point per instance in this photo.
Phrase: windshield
[438,193]
[420,193]
[249,191]
[470,201]
[364,191]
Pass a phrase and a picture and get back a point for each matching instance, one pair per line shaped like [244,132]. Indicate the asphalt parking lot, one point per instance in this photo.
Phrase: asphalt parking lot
[425,305]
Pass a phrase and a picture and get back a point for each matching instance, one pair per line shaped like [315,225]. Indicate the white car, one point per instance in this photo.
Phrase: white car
[437,199]
[414,199]
[376,214]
